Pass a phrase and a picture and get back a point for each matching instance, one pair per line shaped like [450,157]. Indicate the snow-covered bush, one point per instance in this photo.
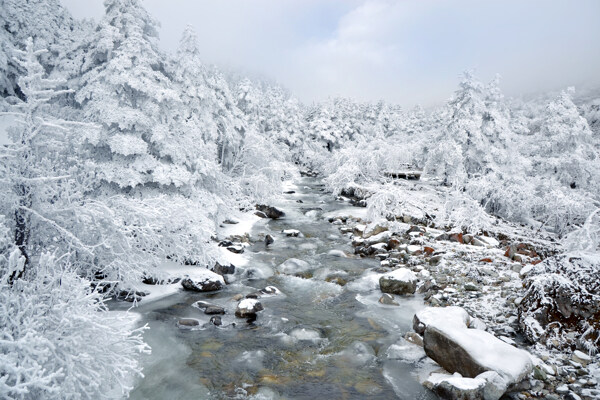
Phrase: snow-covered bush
[561,307]
[259,168]
[57,339]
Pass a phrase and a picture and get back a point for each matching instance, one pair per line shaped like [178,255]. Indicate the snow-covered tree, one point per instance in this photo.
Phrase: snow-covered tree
[38,164]
[565,145]
[57,339]
[126,90]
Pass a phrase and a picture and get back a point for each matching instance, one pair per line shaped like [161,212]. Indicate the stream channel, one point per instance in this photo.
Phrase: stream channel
[325,336]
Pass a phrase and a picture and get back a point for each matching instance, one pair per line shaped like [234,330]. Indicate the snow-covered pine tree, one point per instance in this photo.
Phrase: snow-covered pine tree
[124,88]
[565,145]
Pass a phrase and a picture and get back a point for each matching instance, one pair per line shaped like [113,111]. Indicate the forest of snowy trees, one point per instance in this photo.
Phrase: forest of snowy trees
[121,156]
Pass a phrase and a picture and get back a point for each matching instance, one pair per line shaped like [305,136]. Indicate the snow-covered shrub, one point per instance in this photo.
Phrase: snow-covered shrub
[365,160]
[561,307]
[259,168]
[463,212]
[126,238]
[57,339]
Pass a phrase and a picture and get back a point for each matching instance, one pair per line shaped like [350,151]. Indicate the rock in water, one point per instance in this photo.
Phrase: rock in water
[269,212]
[269,240]
[214,310]
[223,269]
[471,352]
[486,386]
[455,387]
[248,308]
[207,281]
[188,323]
[401,281]
[388,299]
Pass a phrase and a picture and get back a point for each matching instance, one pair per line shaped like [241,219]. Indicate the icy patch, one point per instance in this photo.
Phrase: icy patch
[304,334]
[405,351]
[336,253]
[294,266]
[312,289]
[357,354]
[367,282]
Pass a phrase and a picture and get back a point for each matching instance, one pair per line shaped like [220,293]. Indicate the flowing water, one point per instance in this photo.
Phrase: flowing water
[324,336]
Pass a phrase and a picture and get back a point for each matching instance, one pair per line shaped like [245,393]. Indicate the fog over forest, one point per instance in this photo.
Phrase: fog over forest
[300,199]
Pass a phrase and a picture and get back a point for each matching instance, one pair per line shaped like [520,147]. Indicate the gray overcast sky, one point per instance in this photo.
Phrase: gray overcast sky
[403,51]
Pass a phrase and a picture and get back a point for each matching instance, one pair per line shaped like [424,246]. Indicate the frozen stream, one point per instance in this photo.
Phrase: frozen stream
[316,340]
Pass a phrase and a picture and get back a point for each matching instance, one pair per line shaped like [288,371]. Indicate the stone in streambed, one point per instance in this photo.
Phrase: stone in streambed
[269,240]
[455,316]
[471,352]
[207,281]
[388,299]
[248,308]
[214,310]
[269,212]
[187,323]
[401,281]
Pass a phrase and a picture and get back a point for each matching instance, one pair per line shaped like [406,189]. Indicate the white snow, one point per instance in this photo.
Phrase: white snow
[456,380]
[451,316]
[172,270]
[401,274]
[247,304]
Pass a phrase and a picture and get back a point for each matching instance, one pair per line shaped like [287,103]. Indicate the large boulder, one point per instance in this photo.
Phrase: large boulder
[401,281]
[205,281]
[452,315]
[269,212]
[471,352]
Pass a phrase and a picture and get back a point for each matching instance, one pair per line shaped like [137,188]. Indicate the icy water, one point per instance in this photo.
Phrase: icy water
[324,336]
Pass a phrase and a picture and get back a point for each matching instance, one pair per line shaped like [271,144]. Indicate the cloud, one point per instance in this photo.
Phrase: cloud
[403,51]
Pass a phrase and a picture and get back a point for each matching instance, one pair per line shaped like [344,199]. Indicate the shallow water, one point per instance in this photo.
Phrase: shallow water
[318,339]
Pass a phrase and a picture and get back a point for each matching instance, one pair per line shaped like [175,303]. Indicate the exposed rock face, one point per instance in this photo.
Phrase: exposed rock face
[248,308]
[208,282]
[401,281]
[269,212]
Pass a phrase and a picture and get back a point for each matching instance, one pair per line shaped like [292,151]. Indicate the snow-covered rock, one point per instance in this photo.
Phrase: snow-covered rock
[205,281]
[382,237]
[292,233]
[265,211]
[447,316]
[401,281]
[487,386]
[248,308]
[471,352]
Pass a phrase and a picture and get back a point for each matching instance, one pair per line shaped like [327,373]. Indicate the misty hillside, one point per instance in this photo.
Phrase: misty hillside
[171,229]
